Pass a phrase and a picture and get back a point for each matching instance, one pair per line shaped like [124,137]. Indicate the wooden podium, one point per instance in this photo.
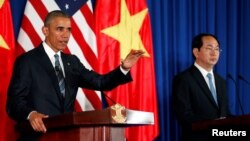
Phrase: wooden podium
[236,122]
[224,128]
[98,125]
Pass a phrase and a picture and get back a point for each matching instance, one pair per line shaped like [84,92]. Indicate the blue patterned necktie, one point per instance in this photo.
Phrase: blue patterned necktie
[211,86]
[59,75]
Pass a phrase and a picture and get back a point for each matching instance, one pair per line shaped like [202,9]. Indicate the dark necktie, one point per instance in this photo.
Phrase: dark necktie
[211,86]
[59,75]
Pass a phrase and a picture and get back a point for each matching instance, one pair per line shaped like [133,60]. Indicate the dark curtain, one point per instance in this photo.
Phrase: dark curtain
[174,24]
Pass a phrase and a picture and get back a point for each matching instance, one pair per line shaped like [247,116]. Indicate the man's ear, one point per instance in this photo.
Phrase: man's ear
[45,30]
[195,52]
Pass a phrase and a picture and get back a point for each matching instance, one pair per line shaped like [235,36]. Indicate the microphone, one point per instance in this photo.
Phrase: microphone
[104,102]
[242,78]
[230,77]
[237,92]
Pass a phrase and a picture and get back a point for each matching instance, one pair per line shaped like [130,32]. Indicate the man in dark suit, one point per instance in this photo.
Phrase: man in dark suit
[43,85]
[195,97]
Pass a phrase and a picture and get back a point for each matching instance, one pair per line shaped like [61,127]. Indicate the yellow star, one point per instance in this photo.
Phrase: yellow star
[3,43]
[127,31]
[1,3]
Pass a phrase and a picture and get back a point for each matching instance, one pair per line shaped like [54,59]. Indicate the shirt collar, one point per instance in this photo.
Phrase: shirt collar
[202,70]
[49,51]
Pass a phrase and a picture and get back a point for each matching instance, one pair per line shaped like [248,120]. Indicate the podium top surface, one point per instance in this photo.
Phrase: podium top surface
[106,117]
[243,120]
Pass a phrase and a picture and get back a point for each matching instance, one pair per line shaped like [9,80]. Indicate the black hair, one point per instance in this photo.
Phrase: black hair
[53,14]
[197,41]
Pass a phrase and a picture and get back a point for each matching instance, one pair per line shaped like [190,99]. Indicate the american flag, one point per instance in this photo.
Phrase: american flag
[82,42]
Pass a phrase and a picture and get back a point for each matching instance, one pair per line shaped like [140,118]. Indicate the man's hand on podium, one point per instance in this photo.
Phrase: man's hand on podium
[36,121]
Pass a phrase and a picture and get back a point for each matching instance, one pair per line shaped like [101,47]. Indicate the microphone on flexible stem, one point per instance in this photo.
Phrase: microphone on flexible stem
[110,99]
[237,92]
[242,78]
[104,102]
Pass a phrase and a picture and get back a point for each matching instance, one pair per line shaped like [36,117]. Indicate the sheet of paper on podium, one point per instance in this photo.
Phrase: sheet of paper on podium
[139,117]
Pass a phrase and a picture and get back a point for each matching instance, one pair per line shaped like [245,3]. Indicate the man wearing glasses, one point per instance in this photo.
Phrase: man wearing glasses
[199,93]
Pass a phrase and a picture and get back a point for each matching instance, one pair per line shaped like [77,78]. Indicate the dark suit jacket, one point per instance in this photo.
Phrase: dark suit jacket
[34,85]
[193,101]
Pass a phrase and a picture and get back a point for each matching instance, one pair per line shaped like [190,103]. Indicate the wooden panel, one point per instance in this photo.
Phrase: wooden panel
[102,133]
[61,135]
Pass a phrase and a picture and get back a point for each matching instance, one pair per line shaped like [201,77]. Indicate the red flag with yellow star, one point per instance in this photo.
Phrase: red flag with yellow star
[7,56]
[123,25]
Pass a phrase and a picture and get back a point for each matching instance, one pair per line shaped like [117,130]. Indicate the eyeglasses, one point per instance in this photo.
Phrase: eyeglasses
[216,49]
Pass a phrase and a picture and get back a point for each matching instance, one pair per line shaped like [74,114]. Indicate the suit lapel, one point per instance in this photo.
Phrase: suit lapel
[201,81]
[44,60]
[66,65]
[218,88]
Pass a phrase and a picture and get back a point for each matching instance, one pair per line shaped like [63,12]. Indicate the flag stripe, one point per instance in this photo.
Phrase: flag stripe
[90,56]
[29,29]
[18,49]
[88,14]
[35,18]
[24,41]
[94,98]
[82,100]
[40,8]
[75,49]
[85,24]
[50,5]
